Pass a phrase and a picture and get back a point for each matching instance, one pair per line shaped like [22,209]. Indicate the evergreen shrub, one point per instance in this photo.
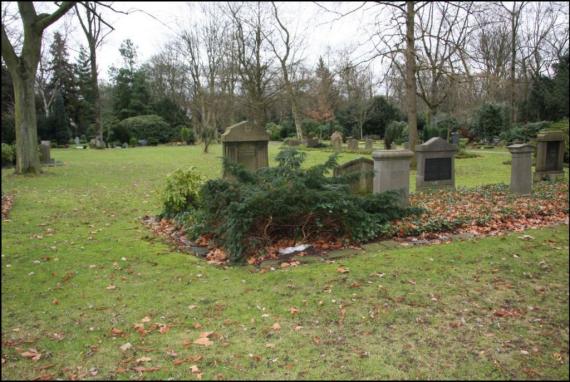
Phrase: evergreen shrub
[249,210]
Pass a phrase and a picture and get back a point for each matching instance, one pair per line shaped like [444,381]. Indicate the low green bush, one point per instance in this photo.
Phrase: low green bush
[274,131]
[254,209]
[180,195]
[133,142]
[8,154]
[523,133]
[187,135]
[150,127]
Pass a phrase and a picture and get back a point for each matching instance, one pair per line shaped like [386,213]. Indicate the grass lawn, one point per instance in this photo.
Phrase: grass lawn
[77,262]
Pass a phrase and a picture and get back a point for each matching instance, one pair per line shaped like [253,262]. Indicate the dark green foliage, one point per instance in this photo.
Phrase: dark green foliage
[8,154]
[173,114]
[394,133]
[187,135]
[430,132]
[274,131]
[150,127]
[180,195]
[63,81]
[86,102]
[490,120]
[58,121]
[8,119]
[257,208]
[549,97]
[524,133]
[133,142]
[380,114]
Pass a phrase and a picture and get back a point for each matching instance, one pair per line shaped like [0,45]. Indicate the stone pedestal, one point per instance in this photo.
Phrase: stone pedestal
[45,156]
[392,172]
[436,164]
[246,144]
[521,168]
[549,155]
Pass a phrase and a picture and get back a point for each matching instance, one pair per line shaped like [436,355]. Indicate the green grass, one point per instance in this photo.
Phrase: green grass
[423,312]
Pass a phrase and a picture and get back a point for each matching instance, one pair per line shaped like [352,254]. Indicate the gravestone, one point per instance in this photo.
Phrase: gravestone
[368,145]
[362,172]
[521,168]
[435,164]
[246,144]
[455,138]
[45,156]
[77,141]
[142,142]
[352,144]
[392,172]
[311,142]
[549,155]
[336,141]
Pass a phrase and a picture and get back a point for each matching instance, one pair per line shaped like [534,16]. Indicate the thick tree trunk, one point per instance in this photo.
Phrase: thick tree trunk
[96,96]
[297,118]
[513,63]
[27,158]
[411,77]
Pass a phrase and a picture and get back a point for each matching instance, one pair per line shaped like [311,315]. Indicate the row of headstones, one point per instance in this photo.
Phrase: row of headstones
[243,143]
[336,143]
[436,165]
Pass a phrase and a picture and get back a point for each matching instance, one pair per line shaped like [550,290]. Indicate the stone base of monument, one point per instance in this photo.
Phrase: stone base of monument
[392,172]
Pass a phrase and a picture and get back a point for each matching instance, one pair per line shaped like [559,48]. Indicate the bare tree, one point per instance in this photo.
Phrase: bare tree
[23,69]
[204,48]
[93,26]
[254,64]
[443,28]
[287,62]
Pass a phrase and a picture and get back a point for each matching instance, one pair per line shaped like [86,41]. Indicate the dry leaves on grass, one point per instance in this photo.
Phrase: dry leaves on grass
[32,354]
[7,202]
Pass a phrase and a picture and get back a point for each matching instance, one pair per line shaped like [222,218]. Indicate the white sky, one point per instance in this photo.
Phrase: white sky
[150,33]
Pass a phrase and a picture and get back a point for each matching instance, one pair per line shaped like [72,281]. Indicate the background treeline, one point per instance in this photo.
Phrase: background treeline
[486,70]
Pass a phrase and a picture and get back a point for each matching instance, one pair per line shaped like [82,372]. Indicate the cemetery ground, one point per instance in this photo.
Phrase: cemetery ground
[88,292]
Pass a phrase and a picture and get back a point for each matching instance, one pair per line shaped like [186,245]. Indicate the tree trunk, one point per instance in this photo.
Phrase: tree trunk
[513,63]
[411,77]
[96,96]
[297,118]
[27,158]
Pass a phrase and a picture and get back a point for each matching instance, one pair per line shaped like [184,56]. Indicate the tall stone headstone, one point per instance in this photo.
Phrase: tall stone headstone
[77,140]
[369,144]
[455,138]
[336,141]
[392,172]
[549,155]
[246,144]
[521,168]
[45,156]
[352,144]
[435,164]
[362,172]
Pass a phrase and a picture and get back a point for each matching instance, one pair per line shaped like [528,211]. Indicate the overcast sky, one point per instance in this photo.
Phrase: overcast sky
[151,24]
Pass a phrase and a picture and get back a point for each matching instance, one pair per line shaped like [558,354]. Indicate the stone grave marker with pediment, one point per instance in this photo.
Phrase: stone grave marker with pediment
[362,169]
[549,155]
[246,144]
[435,164]
[336,141]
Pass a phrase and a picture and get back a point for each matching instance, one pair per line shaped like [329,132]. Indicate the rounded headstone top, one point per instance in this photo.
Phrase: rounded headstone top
[392,154]
[244,132]
[436,144]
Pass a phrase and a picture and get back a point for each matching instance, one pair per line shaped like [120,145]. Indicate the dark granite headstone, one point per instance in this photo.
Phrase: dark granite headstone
[437,169]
